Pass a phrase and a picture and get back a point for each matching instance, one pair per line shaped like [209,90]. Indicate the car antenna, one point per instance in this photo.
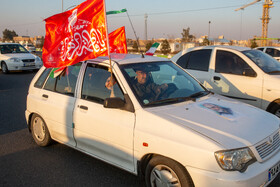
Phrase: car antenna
[137,38]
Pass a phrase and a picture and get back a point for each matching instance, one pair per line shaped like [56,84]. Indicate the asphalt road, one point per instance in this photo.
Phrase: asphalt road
[23,163]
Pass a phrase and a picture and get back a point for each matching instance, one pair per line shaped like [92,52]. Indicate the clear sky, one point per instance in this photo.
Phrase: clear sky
[166,18]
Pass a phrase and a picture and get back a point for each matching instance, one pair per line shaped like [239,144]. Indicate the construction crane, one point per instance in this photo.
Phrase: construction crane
[265,18]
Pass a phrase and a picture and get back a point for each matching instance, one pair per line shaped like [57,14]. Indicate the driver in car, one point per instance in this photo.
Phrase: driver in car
[147,90]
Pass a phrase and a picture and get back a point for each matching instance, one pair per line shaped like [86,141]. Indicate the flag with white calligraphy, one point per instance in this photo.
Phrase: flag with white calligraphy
[76,35]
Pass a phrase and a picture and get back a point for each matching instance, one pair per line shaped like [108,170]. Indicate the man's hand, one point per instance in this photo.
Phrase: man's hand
[162,88]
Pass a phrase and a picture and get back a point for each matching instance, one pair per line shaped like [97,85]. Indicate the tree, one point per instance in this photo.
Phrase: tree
[9,35]
[135,46]
[186,36]
[205,42]
[254,43]
[165,47]
[148,45]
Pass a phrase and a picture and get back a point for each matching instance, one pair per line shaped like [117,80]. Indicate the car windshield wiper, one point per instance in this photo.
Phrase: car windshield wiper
[199,94]
[176,99]
[270,72]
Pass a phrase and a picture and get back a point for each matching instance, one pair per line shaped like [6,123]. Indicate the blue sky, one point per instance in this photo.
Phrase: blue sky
[166,18]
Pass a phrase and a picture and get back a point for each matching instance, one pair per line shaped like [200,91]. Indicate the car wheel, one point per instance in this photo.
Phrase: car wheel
[162,171]
[275,109]
[4,68]
[40,132]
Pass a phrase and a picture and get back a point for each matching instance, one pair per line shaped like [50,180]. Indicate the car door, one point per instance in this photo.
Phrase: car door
[234,78]
[197,64]
[57,103]
[103,132]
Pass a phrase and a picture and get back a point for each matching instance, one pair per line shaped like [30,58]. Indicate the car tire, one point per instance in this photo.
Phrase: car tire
[4,68]
[162,171]
[275,109]
[39,130]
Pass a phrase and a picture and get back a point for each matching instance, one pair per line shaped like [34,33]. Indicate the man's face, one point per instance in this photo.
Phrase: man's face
[141,77]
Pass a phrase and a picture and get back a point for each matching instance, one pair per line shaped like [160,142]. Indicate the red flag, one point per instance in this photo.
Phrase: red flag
[76,35]
[117,41]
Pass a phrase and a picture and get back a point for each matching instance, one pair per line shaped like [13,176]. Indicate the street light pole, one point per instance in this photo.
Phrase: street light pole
[209,30]
[146,30]
[209,33]
[61,5]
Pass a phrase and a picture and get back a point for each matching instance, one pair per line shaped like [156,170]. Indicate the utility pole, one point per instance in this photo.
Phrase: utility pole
[61,5]
[146,30]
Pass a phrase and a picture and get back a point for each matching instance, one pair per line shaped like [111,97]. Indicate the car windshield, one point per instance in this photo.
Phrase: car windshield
[159,83]
[12,48]
[267,63]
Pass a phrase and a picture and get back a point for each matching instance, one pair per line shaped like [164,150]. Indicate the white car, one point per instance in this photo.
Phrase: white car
[247,75]
[272,51]
[30,47]
[14,56]
[156,120]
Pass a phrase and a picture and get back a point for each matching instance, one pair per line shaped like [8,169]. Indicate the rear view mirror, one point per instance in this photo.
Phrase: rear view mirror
[114,102]
[249,72]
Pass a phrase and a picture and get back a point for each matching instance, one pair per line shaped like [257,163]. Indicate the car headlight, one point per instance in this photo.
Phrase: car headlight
[37,58]
[235,160]
[15,60]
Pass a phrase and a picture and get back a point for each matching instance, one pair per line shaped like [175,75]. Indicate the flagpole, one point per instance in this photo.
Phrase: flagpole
[108,43]
[137,41]
[109,53]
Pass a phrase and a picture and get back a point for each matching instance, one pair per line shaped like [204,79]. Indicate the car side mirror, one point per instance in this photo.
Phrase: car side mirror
[113,102]
[249,72]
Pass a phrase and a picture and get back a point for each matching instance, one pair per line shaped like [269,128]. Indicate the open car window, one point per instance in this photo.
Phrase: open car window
[163,80]
[96,84]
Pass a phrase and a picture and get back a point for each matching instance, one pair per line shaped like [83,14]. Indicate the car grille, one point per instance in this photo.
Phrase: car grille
[269,145]
[28,60]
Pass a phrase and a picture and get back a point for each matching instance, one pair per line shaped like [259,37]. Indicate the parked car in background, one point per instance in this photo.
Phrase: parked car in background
[14,56]
[30,47]
[247,75]
[156,119]
[272,51]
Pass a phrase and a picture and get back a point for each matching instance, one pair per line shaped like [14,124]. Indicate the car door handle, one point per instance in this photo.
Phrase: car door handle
[83,107]
[45,96]
[216,78]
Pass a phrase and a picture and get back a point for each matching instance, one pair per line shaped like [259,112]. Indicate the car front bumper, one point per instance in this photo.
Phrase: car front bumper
[21,66]
[255,175]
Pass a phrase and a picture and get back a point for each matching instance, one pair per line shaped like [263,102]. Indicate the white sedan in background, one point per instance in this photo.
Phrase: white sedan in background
[241,73]
[14,56]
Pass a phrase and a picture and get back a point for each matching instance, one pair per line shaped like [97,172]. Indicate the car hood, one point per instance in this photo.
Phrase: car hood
[230,123]
[19,55]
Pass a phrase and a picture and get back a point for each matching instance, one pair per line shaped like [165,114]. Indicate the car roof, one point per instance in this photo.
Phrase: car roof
[128,58]
[237,48]
[275,47]
[9,43]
